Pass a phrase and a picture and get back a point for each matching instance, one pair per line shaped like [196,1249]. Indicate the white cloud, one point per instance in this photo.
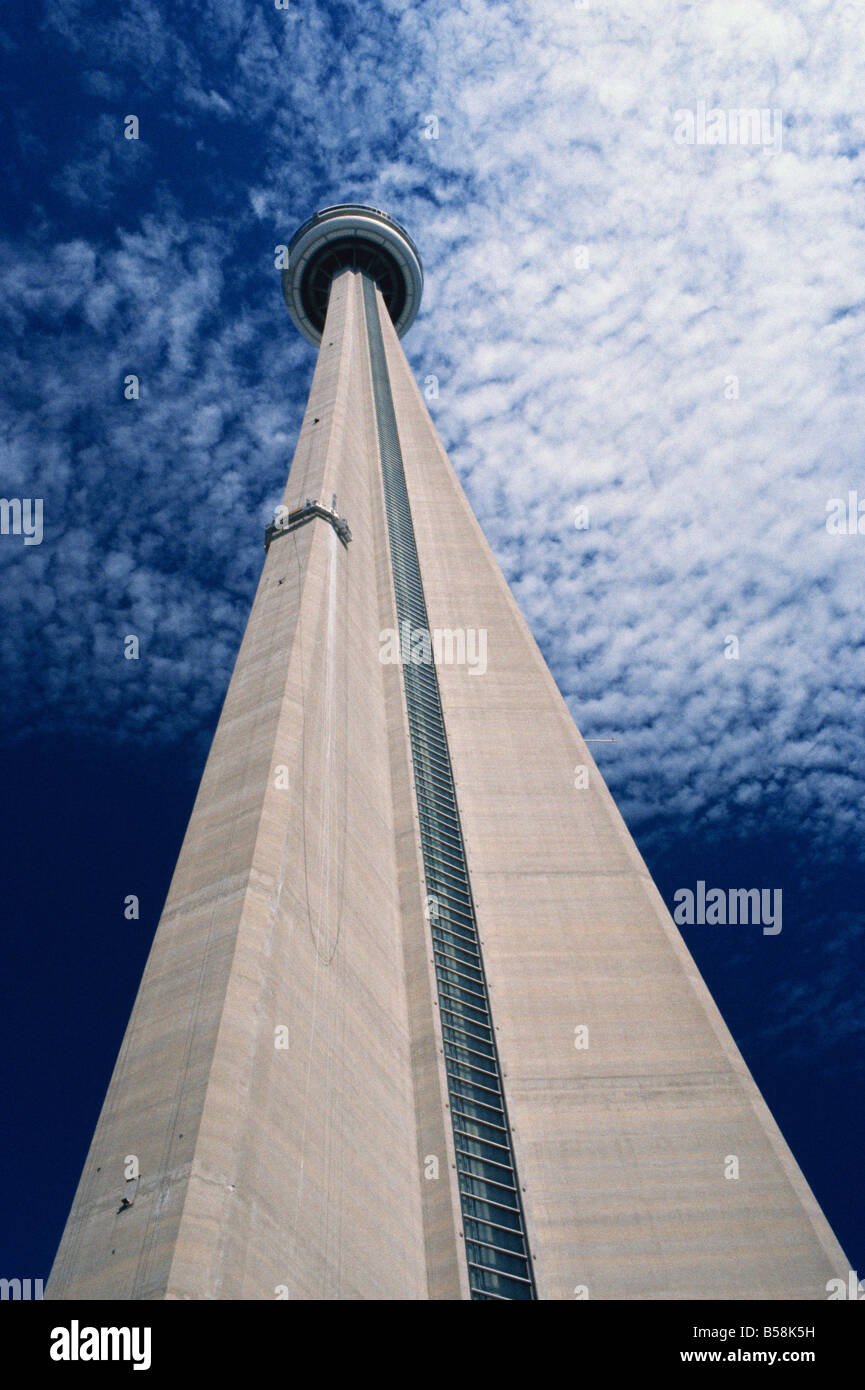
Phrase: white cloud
[606,385]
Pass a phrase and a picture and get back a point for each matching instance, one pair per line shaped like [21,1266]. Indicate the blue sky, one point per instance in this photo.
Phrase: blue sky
[668,334]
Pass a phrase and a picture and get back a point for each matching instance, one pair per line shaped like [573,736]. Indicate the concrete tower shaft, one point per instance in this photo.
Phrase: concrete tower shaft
[265,1166]
[350,1071]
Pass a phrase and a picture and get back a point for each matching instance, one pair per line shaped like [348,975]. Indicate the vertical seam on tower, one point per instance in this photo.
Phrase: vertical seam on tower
[446,1271]
[496,1242]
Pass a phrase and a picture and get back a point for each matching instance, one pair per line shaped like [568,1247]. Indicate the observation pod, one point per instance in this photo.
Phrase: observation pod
[359,237]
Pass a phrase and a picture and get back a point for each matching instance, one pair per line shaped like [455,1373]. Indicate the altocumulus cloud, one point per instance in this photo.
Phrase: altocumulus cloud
[668,335]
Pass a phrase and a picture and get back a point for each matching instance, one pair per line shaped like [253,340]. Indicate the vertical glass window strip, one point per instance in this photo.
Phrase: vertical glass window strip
[496,1245]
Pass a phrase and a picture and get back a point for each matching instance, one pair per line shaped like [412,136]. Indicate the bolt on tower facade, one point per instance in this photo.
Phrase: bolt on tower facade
[351,1071]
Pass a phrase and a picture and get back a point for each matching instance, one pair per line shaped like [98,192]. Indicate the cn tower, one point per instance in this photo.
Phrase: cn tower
[416,1022]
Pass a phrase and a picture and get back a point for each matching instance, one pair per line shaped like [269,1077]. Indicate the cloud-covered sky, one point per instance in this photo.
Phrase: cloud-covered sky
[669,334]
